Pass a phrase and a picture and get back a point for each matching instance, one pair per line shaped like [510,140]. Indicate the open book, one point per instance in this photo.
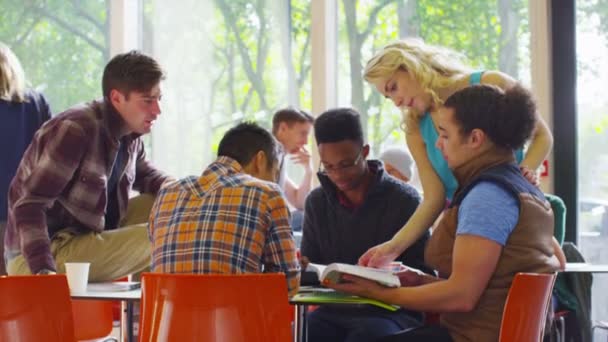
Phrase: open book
[332,272]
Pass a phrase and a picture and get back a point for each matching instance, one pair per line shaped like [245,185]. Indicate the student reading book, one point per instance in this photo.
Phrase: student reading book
[356,207]
[332,273]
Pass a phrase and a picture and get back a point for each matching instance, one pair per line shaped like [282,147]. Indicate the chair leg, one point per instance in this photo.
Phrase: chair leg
[562,329]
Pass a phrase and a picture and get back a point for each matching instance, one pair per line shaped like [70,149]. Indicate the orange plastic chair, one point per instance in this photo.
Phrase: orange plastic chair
[226,308]
[92,319]
[35,308]
[525,311]
[116,306]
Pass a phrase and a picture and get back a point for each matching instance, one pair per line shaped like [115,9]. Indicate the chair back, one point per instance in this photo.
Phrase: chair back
[35,308]
[226,308]
[525,311]
[559,214]
[92,319]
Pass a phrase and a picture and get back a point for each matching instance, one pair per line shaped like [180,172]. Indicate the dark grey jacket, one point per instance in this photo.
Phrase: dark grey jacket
[333,233]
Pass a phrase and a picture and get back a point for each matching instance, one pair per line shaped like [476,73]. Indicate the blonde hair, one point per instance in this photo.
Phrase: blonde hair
[433,67]
[12,77]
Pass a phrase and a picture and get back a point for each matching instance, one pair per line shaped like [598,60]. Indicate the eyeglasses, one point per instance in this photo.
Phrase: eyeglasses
[341,168]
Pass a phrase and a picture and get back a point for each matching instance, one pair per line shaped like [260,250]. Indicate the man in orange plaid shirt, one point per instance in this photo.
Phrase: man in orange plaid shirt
[232,219]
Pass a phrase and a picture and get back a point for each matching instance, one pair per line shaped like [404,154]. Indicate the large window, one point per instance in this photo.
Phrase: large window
[227,60]
[493,35]
[592,122]
[63,46]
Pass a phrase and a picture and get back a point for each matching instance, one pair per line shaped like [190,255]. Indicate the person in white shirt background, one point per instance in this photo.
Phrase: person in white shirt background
[292,127]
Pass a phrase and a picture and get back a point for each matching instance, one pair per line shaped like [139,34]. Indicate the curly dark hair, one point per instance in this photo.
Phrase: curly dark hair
[507,117]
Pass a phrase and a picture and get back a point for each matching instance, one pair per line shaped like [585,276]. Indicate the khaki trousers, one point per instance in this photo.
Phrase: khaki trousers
[113,254]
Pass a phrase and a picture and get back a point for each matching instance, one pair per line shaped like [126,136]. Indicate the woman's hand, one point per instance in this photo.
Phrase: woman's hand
[530,175]
[380,255]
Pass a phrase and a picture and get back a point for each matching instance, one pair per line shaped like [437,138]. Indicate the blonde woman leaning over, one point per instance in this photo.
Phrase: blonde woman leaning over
[418,78]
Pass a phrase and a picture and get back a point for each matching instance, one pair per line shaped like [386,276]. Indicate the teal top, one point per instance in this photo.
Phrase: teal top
[430,135]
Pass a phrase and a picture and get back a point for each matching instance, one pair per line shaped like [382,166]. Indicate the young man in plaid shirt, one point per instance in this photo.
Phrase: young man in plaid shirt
[69,200]
[230,220]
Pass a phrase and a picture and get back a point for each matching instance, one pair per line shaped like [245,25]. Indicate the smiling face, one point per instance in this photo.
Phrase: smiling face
[344,163]
[139,110]
[405,91]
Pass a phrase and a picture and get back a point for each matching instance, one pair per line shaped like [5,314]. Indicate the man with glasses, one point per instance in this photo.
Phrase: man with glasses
[356,207]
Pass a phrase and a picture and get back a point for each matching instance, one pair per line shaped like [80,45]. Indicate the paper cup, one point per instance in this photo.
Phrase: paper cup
[78,275]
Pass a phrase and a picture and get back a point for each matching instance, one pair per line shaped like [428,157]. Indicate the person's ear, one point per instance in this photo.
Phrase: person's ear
[365,151]
[477,138]
[116,97]
[283,127]
[260,162]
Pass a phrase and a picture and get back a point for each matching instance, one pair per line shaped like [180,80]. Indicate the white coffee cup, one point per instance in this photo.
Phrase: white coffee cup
[78,275]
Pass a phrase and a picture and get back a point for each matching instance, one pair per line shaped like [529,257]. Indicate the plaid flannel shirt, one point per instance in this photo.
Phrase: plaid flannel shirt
[62,178]
[225,222]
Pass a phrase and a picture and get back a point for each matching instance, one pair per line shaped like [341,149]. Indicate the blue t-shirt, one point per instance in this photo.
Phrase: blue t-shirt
[489,211]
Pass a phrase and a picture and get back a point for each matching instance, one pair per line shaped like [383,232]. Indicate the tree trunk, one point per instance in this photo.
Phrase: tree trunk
[508,53]
[354,47]
[285,29]
[355,44]
[407,16]
[254,75]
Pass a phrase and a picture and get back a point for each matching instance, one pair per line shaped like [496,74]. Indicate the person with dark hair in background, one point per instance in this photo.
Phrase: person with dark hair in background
[69,200]
[232,219]
[497,225]
[22,112]
[357,206]
[291,127]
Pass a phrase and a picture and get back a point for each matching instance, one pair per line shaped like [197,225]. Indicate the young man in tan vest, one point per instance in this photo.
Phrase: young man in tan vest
[498,224]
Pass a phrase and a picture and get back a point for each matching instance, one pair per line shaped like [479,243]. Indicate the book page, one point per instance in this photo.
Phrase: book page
[383,277]
[318,268]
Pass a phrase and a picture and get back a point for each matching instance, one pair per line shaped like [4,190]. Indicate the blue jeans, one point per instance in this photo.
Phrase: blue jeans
[431,333]
[297,220]
[365,324]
